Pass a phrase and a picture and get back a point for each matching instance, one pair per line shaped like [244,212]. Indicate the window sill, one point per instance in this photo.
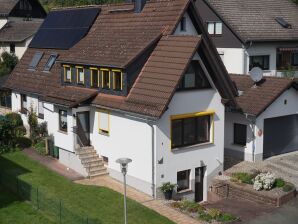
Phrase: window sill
[104,133]
[63,132]
[192,146]
[185,191]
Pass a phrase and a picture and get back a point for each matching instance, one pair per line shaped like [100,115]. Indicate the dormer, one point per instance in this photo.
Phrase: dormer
[105,79]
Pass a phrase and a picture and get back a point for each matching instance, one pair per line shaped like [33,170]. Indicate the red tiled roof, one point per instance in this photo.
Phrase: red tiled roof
[254,99]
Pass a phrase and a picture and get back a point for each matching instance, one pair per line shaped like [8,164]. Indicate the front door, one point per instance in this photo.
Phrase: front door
[199,183]
[83,128]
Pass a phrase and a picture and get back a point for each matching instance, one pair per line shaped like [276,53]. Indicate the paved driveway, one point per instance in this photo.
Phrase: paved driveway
[285,166]
[287,214]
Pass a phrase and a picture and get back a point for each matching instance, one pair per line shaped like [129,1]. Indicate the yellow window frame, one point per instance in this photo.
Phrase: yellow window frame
[114,80]
[92,70]
[210,113]
[102,131]
[77,68]
[64,71]
[102,77]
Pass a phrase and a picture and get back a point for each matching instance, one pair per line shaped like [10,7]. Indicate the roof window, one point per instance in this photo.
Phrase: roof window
[50,62]
[281,21]
[35,60]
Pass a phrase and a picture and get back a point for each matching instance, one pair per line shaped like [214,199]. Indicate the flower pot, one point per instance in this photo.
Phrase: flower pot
[168,194]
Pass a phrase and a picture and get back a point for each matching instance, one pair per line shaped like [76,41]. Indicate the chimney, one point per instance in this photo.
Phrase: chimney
[139,5]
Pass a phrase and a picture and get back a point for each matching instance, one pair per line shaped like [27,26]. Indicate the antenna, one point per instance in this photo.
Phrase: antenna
[256,74]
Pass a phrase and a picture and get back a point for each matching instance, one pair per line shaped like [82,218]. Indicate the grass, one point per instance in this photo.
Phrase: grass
[242,178]
[12,210]
[97,203]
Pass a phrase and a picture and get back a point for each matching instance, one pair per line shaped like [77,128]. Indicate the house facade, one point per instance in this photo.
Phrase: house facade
[155,93]
[19,21]
[267,124]
[251,34]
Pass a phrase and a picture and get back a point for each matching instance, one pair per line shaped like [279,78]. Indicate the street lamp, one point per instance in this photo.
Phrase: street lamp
[123,166]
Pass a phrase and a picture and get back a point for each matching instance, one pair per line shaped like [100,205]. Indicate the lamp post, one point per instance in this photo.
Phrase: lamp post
[123,166]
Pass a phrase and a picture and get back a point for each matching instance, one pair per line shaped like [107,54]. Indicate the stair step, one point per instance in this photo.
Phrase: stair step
[97,170]
[93,164]
[81,151]
[98,174]
[89,155]
[91,160]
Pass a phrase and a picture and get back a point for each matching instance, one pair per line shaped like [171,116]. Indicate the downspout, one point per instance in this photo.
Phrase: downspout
[246,62]
[153,157]
[253,125]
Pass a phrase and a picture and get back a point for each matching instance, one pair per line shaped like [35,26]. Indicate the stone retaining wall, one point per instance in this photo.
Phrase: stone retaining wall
[228,189]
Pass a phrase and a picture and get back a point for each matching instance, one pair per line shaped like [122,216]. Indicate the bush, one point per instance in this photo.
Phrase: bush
[167,187]
[287,188]
[279,182]
[205,217]
[264,181]
[24,142]
[42,129]
[33,124]
[226,217]
[40,147]
[242,178]
[191,206]
[214,213]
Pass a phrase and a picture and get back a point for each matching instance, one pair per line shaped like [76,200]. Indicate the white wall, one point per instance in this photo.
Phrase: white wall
[20,47]
[3,21]
[190,29]
[129,137]
[210,155]
[233,59]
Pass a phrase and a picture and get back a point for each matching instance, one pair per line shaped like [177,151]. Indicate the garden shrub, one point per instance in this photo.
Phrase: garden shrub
[264,181]
[40,147]
[287,187]
[33,124]
[42,129]
[24,142]
[279,182]
[226,217]
[205,217]
[214,213]
[242,178]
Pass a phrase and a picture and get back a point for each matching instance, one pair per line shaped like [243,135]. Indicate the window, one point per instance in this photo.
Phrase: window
[295,59]
[94,77]
[104,122]
[35,60]
[191,130]
[183,180]
[12,48]
[261,61]
[194,78]
[118,80]
[23,103]
[50,62]
[67,73]
[183,24]
[80,75]
[240,134]
[40,110]
[105,78]
[214,28]
[63,120]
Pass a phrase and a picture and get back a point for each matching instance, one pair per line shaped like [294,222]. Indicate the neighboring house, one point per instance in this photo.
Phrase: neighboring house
[250,33]
[141,83]
[5,96]
[19,21]
[268,124]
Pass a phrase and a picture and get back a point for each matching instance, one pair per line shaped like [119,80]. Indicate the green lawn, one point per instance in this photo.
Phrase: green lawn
[12,210]
[98,203]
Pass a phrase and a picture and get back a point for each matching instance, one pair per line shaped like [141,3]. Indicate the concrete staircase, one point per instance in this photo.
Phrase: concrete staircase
[91,161]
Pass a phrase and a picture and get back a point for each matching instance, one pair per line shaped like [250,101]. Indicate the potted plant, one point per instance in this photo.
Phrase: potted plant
[167,188]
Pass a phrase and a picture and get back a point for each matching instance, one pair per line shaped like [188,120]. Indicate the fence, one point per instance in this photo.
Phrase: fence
[51,207]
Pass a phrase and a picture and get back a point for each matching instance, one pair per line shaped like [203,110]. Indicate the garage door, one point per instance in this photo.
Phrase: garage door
[280,135]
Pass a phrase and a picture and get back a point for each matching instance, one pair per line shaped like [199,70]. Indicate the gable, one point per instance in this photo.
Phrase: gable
[185,26]
[28,8]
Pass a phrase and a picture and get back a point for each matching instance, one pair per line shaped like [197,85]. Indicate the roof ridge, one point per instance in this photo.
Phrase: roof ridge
[89,6]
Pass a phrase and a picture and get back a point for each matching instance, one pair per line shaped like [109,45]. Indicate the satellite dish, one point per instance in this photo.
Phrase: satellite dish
[256,74]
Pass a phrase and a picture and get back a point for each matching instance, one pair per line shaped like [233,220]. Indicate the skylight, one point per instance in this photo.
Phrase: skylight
[35,60]
[50,62]
[281,21]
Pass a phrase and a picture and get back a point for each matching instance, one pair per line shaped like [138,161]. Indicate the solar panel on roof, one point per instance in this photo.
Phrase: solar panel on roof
[63,29]
[35,60]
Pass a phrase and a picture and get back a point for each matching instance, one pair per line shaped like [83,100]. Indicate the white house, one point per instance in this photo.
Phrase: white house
[249,33]
[267,124]
[143,81]
[19,21]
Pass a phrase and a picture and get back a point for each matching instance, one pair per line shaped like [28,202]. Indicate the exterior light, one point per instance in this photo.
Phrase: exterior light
[123,166]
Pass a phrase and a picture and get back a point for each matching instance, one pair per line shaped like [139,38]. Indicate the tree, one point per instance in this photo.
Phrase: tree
[7,63]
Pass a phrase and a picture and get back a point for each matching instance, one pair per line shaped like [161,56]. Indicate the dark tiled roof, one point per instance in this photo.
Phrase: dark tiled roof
[117,38]
[18,30]
[254,20]
[3,80]
[6,6]
[159,77]
[255,99]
